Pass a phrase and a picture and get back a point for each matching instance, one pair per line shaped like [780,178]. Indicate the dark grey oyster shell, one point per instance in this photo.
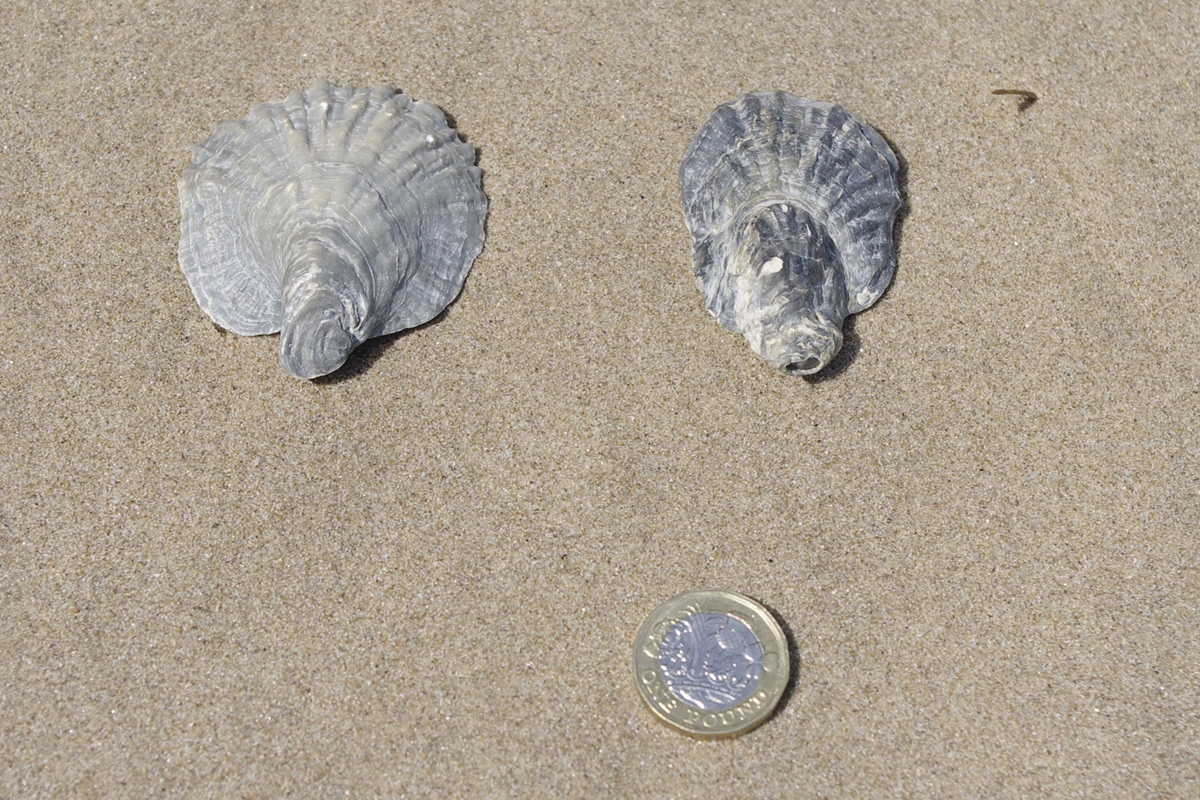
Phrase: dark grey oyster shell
[791,205]
[333,216]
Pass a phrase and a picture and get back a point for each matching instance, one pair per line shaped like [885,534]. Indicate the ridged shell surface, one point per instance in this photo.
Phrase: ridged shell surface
[791,205]
[333,216]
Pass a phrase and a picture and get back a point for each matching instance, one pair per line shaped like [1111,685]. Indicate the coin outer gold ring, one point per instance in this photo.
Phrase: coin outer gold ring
[755,709]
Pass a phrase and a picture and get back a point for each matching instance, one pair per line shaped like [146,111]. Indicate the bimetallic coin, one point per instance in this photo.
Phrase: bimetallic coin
[711,663]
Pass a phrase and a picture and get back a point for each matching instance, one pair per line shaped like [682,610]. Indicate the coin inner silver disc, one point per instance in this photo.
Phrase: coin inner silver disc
[711,661]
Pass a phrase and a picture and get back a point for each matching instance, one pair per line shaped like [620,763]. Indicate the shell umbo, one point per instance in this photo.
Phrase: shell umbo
[332,216]
[791,205]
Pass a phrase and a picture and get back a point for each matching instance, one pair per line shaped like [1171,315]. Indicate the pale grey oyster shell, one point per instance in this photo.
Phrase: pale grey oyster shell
[333,216]
[791,205]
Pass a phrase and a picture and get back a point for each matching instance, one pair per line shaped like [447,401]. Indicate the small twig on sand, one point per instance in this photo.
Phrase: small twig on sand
[1028,98]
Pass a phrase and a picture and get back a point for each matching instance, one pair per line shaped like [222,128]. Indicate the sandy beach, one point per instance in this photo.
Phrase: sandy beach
[422,576]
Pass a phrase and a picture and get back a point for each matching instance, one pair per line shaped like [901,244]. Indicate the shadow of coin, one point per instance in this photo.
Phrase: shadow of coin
[793,662]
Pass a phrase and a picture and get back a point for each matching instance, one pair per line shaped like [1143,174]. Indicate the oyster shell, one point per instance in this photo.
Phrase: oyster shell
[333,216]
[791,205]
